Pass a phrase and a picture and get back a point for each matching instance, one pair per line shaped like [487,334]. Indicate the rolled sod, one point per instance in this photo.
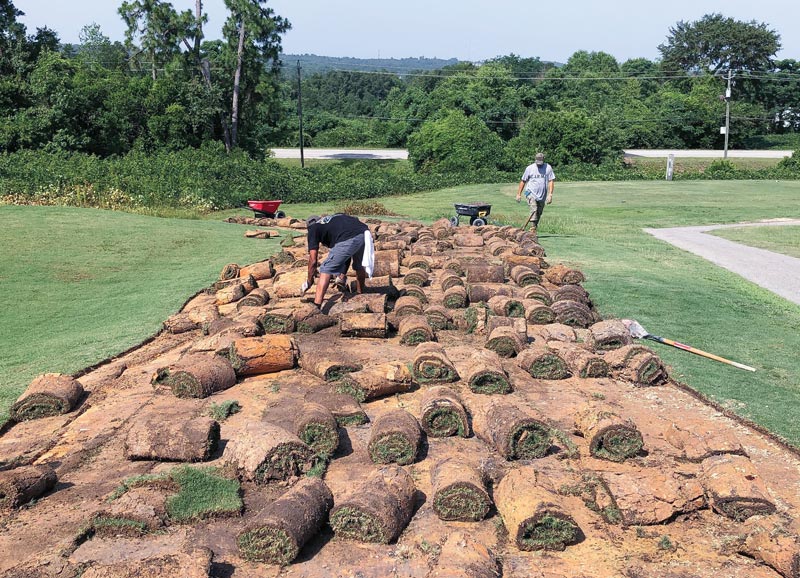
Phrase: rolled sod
[318,429]
[608,335]
[442,414]
[419,262]
[610,437]
[197,375]
[47,395]
[315,323]
[279,320]
[537,313]
[734,488]
[376,510]
[581,362]
[464,556]
[518,324]
[455,266]
[459,492]
[562,275]
[467,240]
[263,452]
[472,319]
[363,325]
[395,437]
[484,273]
[180,323]
[261,270]
[505,342]
[485,291]
[496,246]
[387,263]
[231,293]
[774,547]
[431,364]
[525,259]
[571,293]
[484,373]
[514,433]
[455,297]
[417,292]
[449,278]
[534,517]
[279,531]
[439,317]
[637,364]
[381,285]
[416,276]
[408,305]
[506,306]
[325,364]
[21,485]
[256,298]
[524,276]
[573,313]
[159,439]
[345,410]
[414,329]
[543,362]
[229,271]
[376,381]
[261,355]
[538,293]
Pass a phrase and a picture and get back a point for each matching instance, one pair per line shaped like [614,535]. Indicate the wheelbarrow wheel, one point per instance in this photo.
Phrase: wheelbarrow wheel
[454,221]
[478,222]
[280,215]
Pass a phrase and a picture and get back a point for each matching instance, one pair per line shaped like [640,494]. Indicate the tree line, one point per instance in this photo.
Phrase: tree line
[165,87]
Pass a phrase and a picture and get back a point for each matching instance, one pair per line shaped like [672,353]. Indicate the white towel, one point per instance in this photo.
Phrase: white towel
[368,261]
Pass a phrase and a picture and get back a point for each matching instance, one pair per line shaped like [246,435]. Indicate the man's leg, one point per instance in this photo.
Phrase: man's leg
[322,286]
[539,209]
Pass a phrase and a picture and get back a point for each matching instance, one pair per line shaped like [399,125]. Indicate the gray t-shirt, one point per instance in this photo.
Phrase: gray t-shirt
[536,178]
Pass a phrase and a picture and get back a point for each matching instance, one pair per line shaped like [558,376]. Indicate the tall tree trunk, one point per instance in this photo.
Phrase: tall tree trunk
[198,16]
[236,78]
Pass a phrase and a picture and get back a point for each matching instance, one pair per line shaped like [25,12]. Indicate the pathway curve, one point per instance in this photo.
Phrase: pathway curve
[773,271]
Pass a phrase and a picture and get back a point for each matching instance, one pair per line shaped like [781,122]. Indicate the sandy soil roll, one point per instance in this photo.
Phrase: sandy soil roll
[608,335]
[180,323]
[258,297]
[326,365]
[363,325]
[387,263]
[276,321]
[408,305]
[414,329]
[554,332]
[638,365]
[287,283]
[424,247]
[431,364]
[263,452]
[395,437]
[463,556]
[455,297]
[345,410]
[229,271]
[261,270]
[154,438]
[484,273]
[573,313]
[416,276]
[537,313]
[442,414]
[230,294]
[459,492]
[265,354]
[376,381]
[506,306]
[610,436]
[197,375]
[514,433]
[280,530]
[619,358]
[484,373]
[316,426]
[524,276]
[376,510]
[581,362]
[648,496]
[534,517]
[774,547]
[484,291]
[734,487]
[449,278]
[21,485]
[467,240]
[562,275]
[439,317]
[538,293]
[543,362]
[47,395]
[505,342]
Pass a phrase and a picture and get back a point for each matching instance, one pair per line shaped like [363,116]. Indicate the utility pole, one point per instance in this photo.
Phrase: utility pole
[300,114]
[727,113]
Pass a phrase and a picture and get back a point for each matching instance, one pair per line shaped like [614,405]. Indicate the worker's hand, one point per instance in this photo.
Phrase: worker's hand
[304,287]
[549,199]
[519,198]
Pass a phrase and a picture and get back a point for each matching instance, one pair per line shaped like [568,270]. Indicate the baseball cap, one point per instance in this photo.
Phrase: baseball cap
[539,158]
[312,219]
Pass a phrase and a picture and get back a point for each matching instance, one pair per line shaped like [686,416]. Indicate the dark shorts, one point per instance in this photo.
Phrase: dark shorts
[339,257]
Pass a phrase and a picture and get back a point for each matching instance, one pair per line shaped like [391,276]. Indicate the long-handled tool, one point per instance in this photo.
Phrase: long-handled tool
[525,226]
[640,332]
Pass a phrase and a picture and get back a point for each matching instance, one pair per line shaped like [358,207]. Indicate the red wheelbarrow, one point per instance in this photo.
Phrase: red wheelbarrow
[268,209]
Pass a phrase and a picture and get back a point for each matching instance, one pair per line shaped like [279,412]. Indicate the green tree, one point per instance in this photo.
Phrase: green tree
[716,43]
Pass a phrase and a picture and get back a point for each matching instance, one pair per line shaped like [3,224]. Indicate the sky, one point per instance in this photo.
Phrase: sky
[473,30]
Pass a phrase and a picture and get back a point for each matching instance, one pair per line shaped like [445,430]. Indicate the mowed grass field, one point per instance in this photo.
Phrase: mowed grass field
[593,226]
[784,239]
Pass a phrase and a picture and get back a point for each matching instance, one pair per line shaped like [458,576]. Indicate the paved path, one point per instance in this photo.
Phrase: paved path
[706,154]
[778,273]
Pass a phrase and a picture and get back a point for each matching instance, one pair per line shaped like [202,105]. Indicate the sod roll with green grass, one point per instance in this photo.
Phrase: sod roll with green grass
[505,342]
[431,364]
[610,437]
[483,372]
[345,410]
[414,329]
[573,313]
[735,488]
[317,427]
[197,375]
[172,438]
[608,335]
[442,413]
[47,395]
[376,381]
[262,452]
[395,438]
[439,317]
[279,531]
[580,362]
[376,510]
[459,492]
[506,306]
[514,433]
[537,313]
[637,364]
[455,297]
[543,362]
[21,485]
[326,364]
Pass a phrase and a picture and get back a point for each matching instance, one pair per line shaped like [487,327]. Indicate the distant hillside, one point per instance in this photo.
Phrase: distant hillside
[313,64]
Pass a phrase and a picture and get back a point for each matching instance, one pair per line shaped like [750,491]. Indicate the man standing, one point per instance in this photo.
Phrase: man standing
[348,238]
[538,181]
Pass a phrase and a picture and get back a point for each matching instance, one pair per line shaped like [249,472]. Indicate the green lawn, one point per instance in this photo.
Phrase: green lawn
[784,239]
[595,226]
[80,285]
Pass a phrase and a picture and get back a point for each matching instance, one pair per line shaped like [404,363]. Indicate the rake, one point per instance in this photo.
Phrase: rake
[640,332]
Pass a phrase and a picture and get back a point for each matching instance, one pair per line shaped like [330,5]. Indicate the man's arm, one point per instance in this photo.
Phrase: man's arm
[550,187]
[312,266]
[519,190]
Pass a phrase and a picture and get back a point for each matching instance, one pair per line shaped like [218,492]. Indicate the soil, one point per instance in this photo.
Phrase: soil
[676,533]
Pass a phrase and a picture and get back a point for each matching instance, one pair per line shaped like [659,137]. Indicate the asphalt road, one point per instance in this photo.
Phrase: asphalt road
[401,154]
[773,271]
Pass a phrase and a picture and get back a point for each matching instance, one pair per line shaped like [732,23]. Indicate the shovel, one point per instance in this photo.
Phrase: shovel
[640,332]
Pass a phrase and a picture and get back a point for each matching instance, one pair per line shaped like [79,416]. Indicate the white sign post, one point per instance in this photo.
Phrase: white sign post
[670,166]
